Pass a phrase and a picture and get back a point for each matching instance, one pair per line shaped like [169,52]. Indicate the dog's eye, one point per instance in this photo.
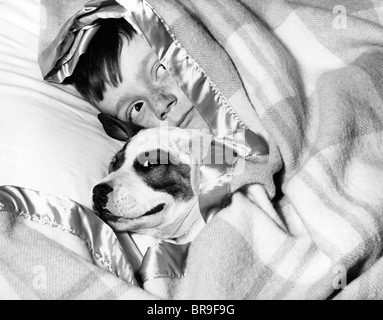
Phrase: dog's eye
[118,160]
[111,165]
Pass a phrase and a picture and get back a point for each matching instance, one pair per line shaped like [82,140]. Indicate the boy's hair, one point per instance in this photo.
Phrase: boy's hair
[100,65]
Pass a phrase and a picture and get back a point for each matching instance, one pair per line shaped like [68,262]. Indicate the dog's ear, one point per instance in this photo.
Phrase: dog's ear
[118,129]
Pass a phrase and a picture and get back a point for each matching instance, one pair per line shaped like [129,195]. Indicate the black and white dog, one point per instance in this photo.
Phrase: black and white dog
[153,180]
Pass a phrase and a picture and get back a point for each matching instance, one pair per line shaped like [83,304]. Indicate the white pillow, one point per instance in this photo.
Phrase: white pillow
[50,139]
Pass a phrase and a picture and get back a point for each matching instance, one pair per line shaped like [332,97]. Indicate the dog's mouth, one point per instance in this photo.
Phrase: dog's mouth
[156,209]
[105,214]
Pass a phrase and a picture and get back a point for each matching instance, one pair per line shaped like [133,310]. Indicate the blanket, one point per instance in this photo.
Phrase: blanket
[54,248]
[310,225]
[32,274]
[306,75]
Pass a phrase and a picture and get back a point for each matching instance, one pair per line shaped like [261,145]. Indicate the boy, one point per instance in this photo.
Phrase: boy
[121,75]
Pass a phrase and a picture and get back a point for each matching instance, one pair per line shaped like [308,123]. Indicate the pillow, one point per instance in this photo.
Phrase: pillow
[50,138]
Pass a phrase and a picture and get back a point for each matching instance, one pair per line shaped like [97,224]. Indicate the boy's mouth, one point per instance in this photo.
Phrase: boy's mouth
[186,119]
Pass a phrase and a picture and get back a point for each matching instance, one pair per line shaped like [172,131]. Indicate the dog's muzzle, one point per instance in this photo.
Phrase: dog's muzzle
[100,197]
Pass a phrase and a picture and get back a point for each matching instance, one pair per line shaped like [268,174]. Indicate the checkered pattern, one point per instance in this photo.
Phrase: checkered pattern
[310,74]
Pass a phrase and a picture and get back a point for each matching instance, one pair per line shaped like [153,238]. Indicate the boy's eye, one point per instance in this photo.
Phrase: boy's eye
[138,106]
[134,111]
[161,70]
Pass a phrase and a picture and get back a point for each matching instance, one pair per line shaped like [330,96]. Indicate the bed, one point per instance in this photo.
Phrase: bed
[304,75]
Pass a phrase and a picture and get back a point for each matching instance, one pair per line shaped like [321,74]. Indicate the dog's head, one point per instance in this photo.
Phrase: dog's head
[153,180]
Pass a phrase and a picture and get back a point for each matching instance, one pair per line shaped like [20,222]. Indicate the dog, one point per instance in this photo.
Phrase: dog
[152,185]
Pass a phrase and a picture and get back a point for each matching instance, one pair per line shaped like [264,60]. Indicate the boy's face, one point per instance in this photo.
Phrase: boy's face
[147,94]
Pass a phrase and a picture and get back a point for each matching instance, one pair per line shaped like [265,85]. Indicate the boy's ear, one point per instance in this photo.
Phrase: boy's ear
[117,129]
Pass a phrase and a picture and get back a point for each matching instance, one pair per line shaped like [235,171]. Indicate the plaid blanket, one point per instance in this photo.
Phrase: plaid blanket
[309,74]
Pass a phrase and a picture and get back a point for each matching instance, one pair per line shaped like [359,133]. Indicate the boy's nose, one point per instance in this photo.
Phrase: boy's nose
[163,106]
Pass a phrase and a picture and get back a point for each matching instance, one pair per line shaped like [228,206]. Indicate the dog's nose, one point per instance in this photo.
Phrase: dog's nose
[100,196]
